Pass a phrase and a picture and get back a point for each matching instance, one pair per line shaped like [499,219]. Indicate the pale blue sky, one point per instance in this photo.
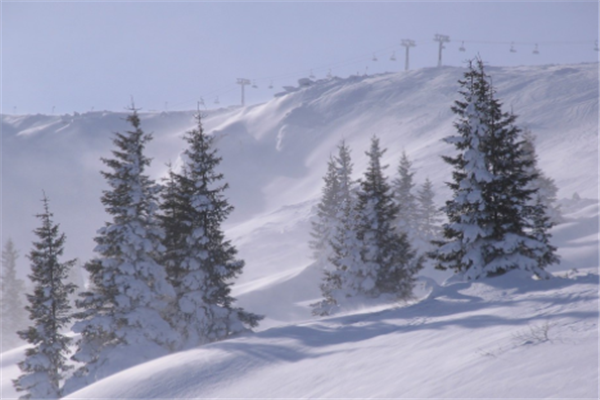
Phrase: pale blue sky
[72,56]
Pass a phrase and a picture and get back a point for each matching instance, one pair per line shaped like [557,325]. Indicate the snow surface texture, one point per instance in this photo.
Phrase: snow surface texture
[490,338]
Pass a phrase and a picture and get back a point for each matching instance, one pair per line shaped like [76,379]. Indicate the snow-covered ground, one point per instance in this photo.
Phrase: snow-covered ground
[494,338]
[505,337]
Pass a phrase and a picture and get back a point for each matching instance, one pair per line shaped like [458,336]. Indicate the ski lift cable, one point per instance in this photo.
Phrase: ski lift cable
[587,42]
[325,67]
[370,56]
[366,57]
[348,62]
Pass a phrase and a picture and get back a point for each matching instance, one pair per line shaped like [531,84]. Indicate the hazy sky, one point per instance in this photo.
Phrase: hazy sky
[72,56]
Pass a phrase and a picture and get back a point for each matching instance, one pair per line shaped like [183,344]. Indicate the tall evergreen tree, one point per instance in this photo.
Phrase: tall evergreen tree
[403,187]
[345,263]
[49,311]
[390,263]
[123,317]
[326,215]
[490,225]
[467,232]
[201,263]
[544,211]
[428,214]
[12,309]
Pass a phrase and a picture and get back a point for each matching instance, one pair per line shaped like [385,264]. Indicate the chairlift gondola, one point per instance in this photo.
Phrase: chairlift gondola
[329,76]
[393,57]
[254,84]
[596,46]
[462,47]
[512,48]
[311,76]
[374,57]
[271,85]
[217,100]
[535,50]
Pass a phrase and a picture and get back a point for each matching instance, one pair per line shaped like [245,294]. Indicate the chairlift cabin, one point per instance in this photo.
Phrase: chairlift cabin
[271,85]
[329,76]
[311,76]
[393,57]
[512,48]
[217,100]
[596,46]
[374,57]
[254,85]
[462,47]
[535,50]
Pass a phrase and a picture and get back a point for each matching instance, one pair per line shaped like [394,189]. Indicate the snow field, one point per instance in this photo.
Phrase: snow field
[481,340]
[472,340]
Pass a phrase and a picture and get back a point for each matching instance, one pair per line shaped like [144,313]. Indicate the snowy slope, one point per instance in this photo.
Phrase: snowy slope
[275,153]
[274,159]
[494,338]
[274,156]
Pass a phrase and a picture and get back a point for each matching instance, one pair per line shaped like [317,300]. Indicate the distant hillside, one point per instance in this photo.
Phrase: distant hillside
[274,154]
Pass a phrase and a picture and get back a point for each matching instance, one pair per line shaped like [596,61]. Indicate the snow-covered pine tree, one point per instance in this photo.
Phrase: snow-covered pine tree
[544,212]
[12,308]
[467,232]
[201,263]
[545,253]
[345,259]
[404,197]
[325,217]
[490,228]
[123,317]
[171,216]
[428,214]
[390,263]
[546,189]
[518,240]
[45,361]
